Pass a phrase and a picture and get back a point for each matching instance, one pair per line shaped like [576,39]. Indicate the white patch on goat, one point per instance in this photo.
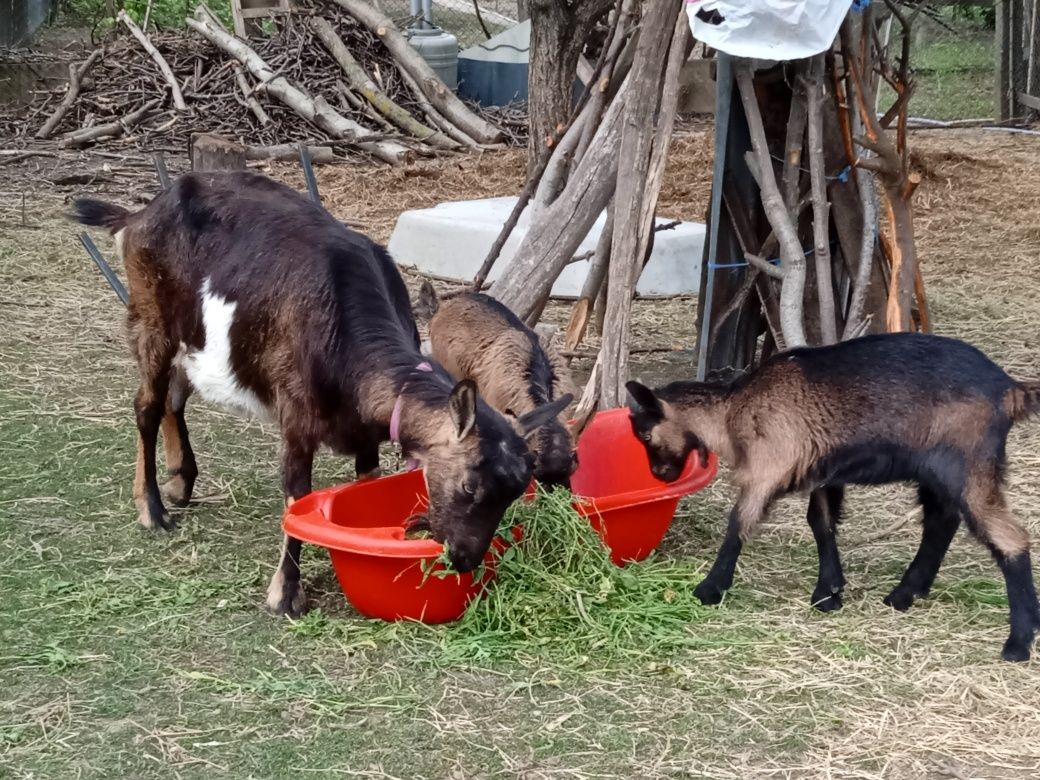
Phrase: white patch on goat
[209,369]
[426,348]
[118,238]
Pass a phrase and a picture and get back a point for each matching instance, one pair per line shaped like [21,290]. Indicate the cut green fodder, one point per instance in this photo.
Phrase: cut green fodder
[558,592]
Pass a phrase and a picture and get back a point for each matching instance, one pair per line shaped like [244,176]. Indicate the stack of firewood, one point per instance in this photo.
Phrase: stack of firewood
[335,73]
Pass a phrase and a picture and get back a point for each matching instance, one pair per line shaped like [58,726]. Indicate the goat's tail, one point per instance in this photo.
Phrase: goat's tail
[1022,400]
[97,213]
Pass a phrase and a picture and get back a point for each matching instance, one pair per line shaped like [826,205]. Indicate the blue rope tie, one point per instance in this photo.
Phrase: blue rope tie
[772,260]
[859,5]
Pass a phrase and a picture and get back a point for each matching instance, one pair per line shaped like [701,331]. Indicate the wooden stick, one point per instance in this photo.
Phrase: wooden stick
[157,58]
[450,106]
[792,258]
[251,101]
[795,142]
[581,313]
[665,30]
[358,103]
[361,82]
[75,82]
[815,92]
[289,152]
[432,115]
[111,130]
[315,110]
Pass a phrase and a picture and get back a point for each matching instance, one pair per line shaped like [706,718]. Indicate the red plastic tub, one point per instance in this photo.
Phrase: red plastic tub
[362,524]
[627,505]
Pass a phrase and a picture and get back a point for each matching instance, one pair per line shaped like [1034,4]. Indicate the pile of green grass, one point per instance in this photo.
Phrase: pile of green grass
[558,591]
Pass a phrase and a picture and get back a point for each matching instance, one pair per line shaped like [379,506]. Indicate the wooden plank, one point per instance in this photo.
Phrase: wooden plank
[1028,100]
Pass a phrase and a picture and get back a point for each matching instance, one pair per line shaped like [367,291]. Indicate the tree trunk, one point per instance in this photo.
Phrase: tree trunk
[556,43]
[551,242]
[648,121]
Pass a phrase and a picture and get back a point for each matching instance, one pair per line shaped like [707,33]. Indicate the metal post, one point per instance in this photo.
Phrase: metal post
[160,169]
[723,101]
[105,268]
[308,173]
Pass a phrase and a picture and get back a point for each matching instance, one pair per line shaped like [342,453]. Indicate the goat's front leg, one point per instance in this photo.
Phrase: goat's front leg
[285,594]
[366,461]
[823,515]
[746,513]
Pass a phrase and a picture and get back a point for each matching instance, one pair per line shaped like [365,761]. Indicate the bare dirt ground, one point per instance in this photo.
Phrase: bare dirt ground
[130,654]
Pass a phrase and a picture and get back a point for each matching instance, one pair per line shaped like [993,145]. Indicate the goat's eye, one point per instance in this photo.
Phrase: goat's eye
[468,488]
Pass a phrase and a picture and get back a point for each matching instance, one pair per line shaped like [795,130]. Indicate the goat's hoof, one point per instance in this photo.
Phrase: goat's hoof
[289,600]
[826,600]
[177,490]
[153,519]
[708,593]
[900,598]
[1016,649]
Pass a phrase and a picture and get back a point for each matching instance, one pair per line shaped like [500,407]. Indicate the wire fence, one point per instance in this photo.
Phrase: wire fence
[470,22]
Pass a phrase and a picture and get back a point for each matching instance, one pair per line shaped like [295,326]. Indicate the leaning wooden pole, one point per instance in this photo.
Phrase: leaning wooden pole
[664,30]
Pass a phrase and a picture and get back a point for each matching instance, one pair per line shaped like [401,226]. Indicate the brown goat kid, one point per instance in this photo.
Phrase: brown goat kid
[879,409]
[244,291]
[475,337]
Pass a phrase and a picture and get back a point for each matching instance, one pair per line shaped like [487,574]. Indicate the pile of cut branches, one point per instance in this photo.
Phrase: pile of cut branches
[336,73]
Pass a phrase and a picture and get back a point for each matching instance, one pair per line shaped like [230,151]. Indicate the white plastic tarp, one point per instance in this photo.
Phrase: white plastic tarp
[769,29]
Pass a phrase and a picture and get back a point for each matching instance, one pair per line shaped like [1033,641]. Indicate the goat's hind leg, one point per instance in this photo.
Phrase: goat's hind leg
[149,405]
[990,519]
[938,527]
[823,516]
[180,458]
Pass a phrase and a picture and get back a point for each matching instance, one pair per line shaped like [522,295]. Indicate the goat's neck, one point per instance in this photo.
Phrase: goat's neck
[707,420]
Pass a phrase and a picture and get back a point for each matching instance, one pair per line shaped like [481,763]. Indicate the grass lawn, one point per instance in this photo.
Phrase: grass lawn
[126,653]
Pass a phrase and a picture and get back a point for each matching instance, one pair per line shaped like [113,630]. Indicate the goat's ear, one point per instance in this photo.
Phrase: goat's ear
[462,406]
[427,304]
[642,399]
[536,418]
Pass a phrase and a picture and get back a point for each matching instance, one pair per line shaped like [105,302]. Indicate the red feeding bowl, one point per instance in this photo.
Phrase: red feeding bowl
[362,524]
[627,505]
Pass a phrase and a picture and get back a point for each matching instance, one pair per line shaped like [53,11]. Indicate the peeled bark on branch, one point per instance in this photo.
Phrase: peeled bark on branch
[581,313]
[76,75]
[891,165]
[157,58]
[361,82]
[315,110]
[409,60]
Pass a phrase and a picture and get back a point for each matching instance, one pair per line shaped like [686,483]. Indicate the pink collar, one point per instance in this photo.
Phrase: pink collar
[395,416]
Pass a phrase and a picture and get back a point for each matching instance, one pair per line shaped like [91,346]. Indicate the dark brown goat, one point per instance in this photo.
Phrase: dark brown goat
[475,337]
[879,409]
[244,291]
